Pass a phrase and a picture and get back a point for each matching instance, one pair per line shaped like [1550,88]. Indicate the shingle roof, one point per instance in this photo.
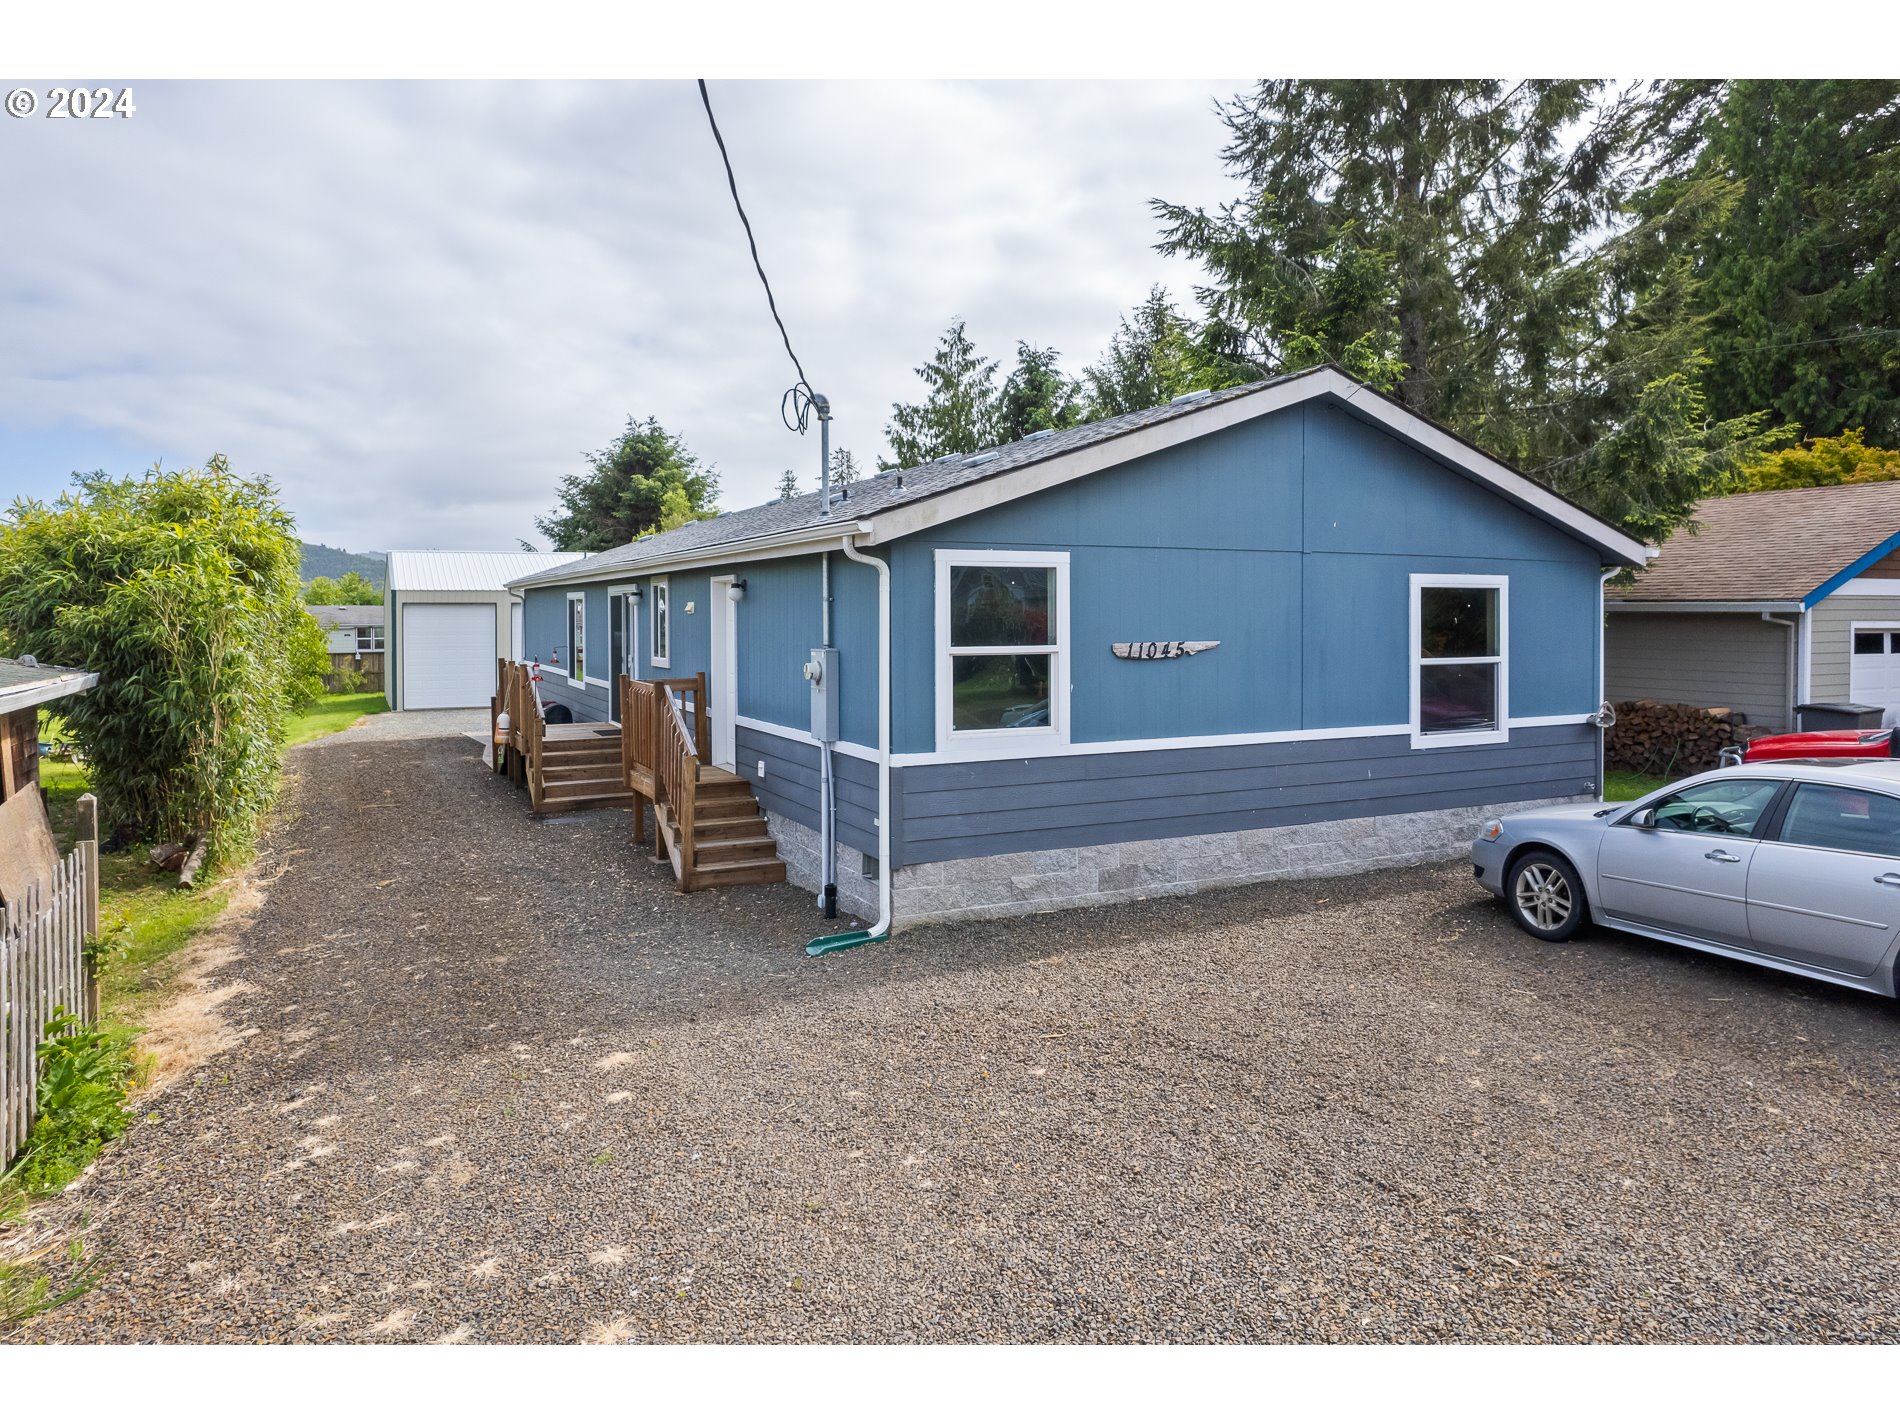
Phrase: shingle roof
[1779,545]
[895,488]
[414,571]
[25,685]
[873,495]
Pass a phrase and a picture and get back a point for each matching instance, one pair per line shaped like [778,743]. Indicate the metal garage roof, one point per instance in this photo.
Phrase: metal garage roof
[413,571]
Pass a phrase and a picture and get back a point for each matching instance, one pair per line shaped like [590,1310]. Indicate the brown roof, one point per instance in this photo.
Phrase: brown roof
[1770,545]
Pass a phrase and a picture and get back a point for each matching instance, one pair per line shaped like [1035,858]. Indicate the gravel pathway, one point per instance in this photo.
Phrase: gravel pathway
[503,1084]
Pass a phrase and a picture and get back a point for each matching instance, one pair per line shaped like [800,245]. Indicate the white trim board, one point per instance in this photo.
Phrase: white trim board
[1887,587]
[1137,744]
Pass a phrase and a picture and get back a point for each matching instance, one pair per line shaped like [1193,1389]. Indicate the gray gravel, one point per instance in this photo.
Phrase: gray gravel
[506,1085]
[408,726]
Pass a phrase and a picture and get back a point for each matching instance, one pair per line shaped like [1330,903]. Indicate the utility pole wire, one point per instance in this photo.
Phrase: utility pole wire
[751,242]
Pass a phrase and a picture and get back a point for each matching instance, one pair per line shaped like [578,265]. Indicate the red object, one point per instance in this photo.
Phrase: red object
[1848,742]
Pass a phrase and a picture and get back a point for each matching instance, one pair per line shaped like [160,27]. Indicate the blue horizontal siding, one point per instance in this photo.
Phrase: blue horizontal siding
[790,784]
[952,811]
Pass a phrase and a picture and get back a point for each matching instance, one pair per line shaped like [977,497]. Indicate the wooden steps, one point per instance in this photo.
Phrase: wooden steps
[730,845]
[582,771]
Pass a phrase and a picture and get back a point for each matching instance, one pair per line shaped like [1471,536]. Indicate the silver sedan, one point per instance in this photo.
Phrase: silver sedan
[1792,865]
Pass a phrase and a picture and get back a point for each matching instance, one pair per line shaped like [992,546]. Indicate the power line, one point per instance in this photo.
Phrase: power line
[798,400]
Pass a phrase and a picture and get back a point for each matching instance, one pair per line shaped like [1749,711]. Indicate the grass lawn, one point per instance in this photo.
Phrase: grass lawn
[332,713]
[1631,786]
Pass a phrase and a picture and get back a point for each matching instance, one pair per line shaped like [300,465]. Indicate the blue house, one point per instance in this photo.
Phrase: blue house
[1284,629]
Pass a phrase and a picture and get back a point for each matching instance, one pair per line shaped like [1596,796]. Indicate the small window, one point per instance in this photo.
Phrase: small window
[369,638]
[1728,806]
[1002,656]
[1458,639]
[1870,643]
[577,639]
[1843,819]
[660,640]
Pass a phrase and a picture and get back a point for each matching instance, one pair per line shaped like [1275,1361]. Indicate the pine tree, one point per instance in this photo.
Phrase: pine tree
[788,486]
[1801,282]
[957,414]
[1150,360]
[645,482]
[844,468]
[1036,395]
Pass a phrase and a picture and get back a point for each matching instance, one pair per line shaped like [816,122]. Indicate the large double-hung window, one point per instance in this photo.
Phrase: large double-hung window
[1459,682]
[1002,645]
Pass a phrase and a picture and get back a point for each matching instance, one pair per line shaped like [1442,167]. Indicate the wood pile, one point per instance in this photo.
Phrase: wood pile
[1672,739]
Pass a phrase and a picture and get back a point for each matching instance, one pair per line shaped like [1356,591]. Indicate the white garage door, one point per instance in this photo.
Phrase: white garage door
[1876,676]
[448,655]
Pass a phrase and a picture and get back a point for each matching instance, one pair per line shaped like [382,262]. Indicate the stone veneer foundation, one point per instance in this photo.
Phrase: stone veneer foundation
[1028,882]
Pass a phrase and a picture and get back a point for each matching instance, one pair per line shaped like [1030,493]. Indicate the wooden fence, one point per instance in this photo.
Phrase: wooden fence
[43,968]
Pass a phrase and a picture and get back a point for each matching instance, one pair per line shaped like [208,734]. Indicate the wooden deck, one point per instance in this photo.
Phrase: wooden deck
[709,827]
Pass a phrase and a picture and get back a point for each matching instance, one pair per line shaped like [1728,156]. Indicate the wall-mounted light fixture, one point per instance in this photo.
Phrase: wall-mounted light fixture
[736,590]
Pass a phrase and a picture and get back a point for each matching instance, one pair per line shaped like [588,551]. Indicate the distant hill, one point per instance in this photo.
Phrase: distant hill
[321,561]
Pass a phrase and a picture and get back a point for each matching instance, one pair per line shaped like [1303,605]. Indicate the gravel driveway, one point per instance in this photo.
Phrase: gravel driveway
[503,1084]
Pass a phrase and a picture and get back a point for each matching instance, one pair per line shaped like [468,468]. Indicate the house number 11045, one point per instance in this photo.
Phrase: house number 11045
[1174,648]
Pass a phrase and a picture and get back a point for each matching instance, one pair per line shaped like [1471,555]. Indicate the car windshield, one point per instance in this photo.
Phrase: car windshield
[1729,806]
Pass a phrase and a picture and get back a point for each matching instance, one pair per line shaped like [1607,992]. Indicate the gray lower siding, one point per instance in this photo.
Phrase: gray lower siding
[960,810]
[1736,661]
[789,787]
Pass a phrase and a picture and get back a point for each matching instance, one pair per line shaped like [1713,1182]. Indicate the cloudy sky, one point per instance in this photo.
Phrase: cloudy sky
[414,305]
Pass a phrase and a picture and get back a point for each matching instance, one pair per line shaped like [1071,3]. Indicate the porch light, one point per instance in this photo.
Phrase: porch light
[736,590]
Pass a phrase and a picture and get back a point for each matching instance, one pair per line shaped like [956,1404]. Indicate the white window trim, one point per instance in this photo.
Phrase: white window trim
[573,663]
[1035,741]
[1416,665]
[660,598]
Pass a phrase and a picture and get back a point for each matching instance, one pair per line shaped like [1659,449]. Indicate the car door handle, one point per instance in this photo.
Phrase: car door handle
[1890,878]
[1719,855]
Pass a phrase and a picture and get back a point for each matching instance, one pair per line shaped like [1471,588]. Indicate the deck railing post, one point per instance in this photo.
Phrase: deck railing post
[86,843]
[702,719]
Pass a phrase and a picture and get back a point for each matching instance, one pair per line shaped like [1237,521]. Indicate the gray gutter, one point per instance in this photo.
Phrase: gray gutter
[1702,606]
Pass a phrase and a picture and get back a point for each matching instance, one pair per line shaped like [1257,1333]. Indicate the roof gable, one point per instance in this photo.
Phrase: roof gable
[901,502]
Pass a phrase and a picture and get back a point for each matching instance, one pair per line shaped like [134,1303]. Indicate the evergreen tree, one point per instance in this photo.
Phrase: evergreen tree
[844,469]
[788,486]
[958,412]
[1036,395]
[646,481]
[1480,250]
[1801,280]
[1151,359]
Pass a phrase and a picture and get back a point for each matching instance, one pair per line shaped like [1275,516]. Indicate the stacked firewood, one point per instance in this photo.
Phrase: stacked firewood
[1672,739]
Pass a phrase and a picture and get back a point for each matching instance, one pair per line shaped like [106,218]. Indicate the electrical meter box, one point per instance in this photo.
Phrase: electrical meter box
[822,673]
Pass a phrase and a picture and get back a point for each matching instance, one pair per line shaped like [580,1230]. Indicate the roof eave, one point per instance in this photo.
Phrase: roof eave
[32,695]
[808,539]
[1703,606]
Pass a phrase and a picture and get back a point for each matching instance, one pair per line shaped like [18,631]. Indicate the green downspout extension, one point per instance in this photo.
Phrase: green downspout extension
[846,940]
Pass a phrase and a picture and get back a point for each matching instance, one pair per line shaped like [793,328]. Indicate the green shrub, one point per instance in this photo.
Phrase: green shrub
[179,589]
[84,1077]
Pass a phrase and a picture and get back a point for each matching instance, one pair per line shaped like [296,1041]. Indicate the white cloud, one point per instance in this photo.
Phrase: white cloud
[415,305]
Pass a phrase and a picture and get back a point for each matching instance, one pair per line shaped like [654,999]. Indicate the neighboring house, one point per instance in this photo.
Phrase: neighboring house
[353,634]
[27,851]
[1396,634]
[447,615]
[1767,601]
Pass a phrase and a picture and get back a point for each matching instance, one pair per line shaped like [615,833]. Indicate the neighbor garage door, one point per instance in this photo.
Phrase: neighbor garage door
[1876,675]
[448,655]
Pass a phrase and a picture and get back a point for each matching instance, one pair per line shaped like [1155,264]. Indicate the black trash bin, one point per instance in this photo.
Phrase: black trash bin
[1837,717]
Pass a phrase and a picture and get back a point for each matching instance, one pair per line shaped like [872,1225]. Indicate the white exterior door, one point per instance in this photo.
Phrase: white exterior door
[448,655]
[514,632]
[722,675]
[1876,670]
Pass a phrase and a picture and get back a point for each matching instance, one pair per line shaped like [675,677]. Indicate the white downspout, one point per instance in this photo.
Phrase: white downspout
[851,551]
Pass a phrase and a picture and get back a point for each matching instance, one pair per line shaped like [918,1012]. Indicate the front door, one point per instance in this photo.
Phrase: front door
[1826,891]
[617,623]
[722,675]
[1687,871]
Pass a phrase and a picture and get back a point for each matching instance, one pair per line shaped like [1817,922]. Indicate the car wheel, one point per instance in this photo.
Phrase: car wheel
[1545,895]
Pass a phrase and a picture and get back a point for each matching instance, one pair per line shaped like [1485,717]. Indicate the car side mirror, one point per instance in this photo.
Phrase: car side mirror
[1646,818]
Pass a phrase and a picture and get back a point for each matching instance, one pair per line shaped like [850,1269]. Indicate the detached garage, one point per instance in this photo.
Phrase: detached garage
[449,616]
